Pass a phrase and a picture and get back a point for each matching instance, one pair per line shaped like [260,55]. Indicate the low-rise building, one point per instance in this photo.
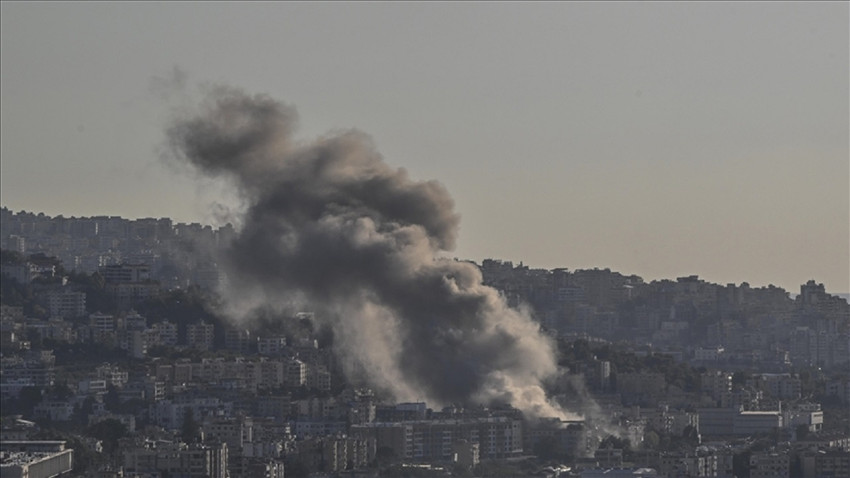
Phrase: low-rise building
[66,302]
[731,421]
[831,463]
[769,464]
[55,410]
[34,459]
[432,440]
[178,459]
[200,335]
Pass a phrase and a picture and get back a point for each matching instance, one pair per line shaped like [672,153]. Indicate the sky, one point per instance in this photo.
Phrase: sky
[659,139]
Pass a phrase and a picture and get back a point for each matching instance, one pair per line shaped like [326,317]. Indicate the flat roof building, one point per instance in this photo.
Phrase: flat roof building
[34,459]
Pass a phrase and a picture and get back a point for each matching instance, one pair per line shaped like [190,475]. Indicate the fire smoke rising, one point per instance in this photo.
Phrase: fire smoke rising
[328,225]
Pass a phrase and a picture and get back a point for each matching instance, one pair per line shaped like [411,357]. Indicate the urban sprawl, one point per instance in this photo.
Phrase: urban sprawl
[118,361]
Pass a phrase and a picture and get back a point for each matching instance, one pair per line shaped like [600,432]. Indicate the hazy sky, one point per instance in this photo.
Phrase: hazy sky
[659,139]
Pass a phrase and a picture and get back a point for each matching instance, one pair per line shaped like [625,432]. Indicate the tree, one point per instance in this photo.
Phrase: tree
[111,399]
[109,431]
[581,349]
[94,286]
[85,409]
[801,432]
[61,391]
[651,440]
[190,431]
[691,435]
[84,457]
[10,257]
[13,293]
[28,398]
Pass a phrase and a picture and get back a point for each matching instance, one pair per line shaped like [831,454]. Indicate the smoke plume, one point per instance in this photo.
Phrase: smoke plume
[330,226]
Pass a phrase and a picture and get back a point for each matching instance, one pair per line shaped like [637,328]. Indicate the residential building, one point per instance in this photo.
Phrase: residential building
[178,459]
[433,440]
[769,464]
[200,335]
[35,459]
[66,303]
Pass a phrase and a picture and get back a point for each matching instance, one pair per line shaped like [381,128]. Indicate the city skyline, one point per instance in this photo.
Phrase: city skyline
[793,291]
[661,140]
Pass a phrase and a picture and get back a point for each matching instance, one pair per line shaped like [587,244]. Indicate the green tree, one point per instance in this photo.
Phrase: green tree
[61,391]
[111,399]
[10,257]
[98,299]
[28,398]
[691,435]
[85,409]
[13,293]
[109,432]
[651,440]
[84,457]
[190,432]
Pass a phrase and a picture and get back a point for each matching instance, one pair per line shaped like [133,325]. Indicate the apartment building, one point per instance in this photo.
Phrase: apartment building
[433,440]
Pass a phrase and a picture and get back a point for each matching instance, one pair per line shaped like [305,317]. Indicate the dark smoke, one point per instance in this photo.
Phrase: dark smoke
[331,227]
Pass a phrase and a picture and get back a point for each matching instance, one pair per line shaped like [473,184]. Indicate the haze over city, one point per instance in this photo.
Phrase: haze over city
[339,239]
[661,139]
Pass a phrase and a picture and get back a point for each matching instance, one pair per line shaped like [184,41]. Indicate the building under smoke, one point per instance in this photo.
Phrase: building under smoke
[328,226]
